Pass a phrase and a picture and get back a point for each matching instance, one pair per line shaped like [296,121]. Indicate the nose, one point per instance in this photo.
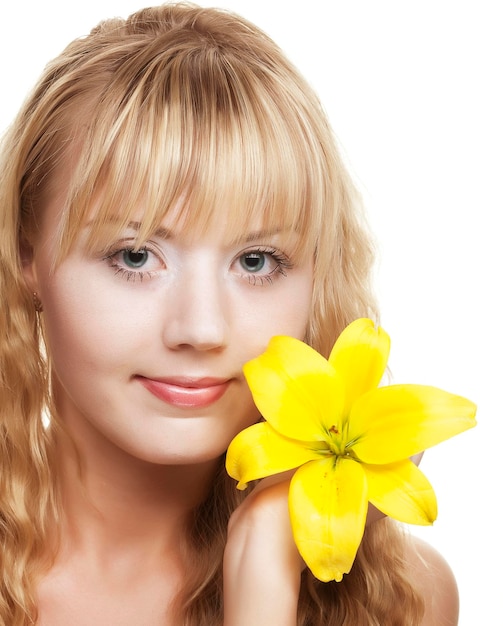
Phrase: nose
[197,312]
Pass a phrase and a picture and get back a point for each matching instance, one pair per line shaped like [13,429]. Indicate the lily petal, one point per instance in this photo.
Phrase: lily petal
[393,423]
[295,389]
[328,508]
[402,491]
[259,451]
[359,356]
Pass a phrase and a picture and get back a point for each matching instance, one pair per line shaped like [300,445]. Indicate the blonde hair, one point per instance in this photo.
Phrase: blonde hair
[175,104]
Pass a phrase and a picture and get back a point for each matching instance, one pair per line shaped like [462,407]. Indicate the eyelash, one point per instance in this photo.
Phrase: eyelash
[129,274]
[281,260]
[283,264]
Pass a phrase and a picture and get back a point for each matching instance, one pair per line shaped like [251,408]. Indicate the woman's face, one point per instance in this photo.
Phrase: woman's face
[147,347]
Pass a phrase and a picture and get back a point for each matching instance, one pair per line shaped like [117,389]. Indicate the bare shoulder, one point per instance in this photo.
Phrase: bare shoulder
[436,583]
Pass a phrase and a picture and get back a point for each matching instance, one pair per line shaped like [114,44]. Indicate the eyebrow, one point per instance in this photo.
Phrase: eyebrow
[166,233]
[264,234]
[260,234]
[163,233]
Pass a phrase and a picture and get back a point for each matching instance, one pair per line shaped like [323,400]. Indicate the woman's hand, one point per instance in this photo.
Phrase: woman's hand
[262,566]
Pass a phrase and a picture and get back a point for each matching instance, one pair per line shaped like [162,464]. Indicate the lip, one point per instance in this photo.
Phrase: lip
[186,392]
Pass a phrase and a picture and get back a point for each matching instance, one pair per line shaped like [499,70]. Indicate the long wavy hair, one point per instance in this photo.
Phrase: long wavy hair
[175,104]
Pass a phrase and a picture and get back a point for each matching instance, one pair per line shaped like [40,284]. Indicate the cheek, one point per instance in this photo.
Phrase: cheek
[290,310]
[286,312]
[88,327]
[297,312]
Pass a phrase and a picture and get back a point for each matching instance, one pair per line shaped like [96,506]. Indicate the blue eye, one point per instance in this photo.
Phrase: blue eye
[252,261]
[262,265]
[135,259]
[135,265]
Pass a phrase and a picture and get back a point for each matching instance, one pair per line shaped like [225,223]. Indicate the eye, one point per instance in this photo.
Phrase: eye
[261,266]
[133,264]
[253,261]
[134,259]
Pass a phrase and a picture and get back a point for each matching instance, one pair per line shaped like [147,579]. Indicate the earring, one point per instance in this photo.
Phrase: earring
[36,303]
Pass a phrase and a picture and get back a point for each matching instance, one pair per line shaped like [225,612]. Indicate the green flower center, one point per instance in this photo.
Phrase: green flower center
[337,442]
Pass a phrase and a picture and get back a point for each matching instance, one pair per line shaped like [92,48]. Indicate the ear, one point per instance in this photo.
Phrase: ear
[27,256]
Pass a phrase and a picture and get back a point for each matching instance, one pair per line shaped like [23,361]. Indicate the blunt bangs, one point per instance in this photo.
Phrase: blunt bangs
[231,141]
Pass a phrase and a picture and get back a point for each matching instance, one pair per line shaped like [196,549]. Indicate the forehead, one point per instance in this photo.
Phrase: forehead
[236,168]
[223,199]
[225,227]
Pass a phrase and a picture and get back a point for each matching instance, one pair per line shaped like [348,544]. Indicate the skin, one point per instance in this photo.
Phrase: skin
[191,306]
[436,584]
[200,309]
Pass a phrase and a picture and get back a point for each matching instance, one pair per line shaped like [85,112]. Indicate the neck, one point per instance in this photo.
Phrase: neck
[112,502]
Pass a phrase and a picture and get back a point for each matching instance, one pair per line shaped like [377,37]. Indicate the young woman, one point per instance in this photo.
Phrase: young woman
[171,197]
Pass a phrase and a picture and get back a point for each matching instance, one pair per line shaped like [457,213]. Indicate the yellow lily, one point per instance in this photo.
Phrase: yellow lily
[349,438]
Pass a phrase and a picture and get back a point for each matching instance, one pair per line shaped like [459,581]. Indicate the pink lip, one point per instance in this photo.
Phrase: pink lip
[186,392]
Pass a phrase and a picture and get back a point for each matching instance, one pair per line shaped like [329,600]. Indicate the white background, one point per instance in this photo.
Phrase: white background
[413,90]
